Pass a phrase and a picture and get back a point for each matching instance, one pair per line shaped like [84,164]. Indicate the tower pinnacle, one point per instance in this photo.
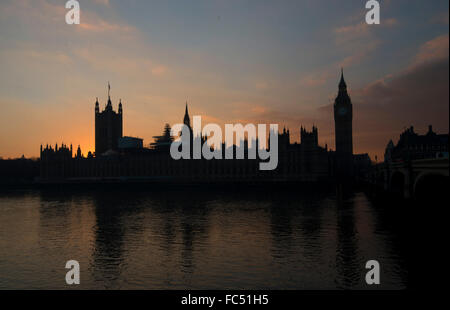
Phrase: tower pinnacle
[342,84]
[97,109]
[187,120]
[109,104]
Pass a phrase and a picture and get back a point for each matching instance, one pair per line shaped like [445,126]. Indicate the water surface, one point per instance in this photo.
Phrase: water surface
[194,240]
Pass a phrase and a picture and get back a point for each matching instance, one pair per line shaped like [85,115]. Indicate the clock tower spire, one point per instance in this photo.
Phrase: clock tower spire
[343,118]
[342,84]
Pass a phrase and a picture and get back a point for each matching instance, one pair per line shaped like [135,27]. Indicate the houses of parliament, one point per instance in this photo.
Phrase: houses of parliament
[121,158]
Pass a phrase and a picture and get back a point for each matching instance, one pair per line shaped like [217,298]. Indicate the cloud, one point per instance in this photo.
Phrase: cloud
[37,11]
[415,96]
[42,16]
[99,25]
[356,41]
[355,33]
[433,50]
[103,2]
[330,71]
[360,54]
[316,79]
[389,22]
[440,18]
[261,85]
[350,33]
[159,70]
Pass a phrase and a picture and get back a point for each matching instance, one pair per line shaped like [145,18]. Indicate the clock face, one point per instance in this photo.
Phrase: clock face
[342,111]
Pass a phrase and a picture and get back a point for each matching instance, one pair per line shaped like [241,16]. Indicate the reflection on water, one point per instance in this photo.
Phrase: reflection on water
[194,240]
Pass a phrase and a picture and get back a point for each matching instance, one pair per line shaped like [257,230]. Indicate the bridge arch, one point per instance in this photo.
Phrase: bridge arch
[431,187]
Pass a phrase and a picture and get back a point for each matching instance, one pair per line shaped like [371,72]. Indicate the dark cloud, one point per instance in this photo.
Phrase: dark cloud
[417,96]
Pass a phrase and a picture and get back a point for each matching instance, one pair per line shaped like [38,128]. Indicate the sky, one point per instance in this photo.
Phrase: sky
[233,61]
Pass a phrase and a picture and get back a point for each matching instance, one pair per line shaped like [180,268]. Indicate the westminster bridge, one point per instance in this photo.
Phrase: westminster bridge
[421,178]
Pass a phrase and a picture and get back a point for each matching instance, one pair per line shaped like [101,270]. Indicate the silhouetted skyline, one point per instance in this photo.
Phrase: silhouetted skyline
[260,62]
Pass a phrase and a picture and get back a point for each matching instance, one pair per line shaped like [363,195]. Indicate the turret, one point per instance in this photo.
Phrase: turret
[109,104]
[97,108]
[187,120]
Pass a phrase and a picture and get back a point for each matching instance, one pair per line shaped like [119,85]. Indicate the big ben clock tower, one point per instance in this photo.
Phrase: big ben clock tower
[343,116]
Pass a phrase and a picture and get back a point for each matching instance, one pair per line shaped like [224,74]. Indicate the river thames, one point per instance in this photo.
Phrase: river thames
[181,239]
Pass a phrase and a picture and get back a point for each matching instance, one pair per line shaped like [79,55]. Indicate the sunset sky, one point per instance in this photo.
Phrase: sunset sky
[232,61]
